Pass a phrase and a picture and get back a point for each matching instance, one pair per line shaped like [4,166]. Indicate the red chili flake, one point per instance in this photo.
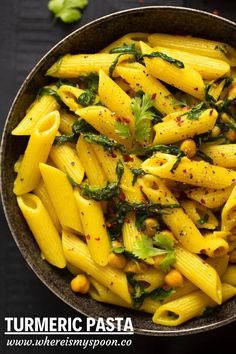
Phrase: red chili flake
[126,120]
[154,96]
[179,120]
[127,158]
[122,195]
[195,88]
[203,201]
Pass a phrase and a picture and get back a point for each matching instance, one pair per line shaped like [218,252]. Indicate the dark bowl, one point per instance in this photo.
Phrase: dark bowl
[88,39]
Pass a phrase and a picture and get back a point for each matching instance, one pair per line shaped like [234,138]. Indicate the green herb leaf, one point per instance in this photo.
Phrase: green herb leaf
[67,11]
[136,172]
[143,248]
[164,241]
[177,63]
[90,80]
[122,129]
[104,141]
[203,220]
[87,98]
[161,294]
[143,116]
[196,112]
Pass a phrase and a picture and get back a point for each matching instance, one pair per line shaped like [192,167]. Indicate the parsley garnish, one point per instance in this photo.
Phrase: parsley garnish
[67,11]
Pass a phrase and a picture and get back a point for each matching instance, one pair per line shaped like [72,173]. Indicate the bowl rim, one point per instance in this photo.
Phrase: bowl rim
[178,331]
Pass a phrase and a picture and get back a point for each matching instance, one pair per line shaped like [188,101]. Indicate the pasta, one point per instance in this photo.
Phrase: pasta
[128,177]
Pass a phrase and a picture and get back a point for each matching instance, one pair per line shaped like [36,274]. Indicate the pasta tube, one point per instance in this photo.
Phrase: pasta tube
[192,305]
[61,194]
[222,155]
[186,79]
[39,108]
[199,273]
[91,164]
[37,151]
[72,66]
[43,229]
[208,68]
[196,173]
[180,127]
[185,231]
[209,48]
[66,159]
[76,252]
[104,121]
[95,232]
[114,98]
[138,78]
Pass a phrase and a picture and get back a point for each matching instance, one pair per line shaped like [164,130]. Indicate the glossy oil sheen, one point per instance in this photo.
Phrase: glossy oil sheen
[90,39]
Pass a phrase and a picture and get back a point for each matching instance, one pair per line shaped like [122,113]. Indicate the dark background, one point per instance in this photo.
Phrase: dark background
[27,32]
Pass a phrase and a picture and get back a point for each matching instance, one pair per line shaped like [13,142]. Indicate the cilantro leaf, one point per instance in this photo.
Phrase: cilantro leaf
[143,248]
[143,116]
[122,129]
[67,11]
[161,239]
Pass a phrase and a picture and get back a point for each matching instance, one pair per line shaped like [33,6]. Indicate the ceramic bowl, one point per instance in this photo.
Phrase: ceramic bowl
[89,39]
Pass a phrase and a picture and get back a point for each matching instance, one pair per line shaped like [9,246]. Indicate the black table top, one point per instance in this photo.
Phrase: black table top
[26,34]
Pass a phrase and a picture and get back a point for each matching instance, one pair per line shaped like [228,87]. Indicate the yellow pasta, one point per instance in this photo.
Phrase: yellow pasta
[72,66]
[91,164]
[139,79]
[39,108]
[209,48]
[76,252]
[114,98]
[37,151]
[186,78]
[222,155]
[95,232]
[192,305]
[66,159]
[104,121]
[41,192]
[179,128]
[43,229]
[199,273]
[208,68]
[61,194]
[211,198]
[196,173]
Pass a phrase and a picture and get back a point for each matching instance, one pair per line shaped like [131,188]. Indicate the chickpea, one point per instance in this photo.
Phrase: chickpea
[135,267]
[230,135]
[232,256]
[151,226]
[215,131]
[117,260]
[174,278]
[80,284]
[189,147]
